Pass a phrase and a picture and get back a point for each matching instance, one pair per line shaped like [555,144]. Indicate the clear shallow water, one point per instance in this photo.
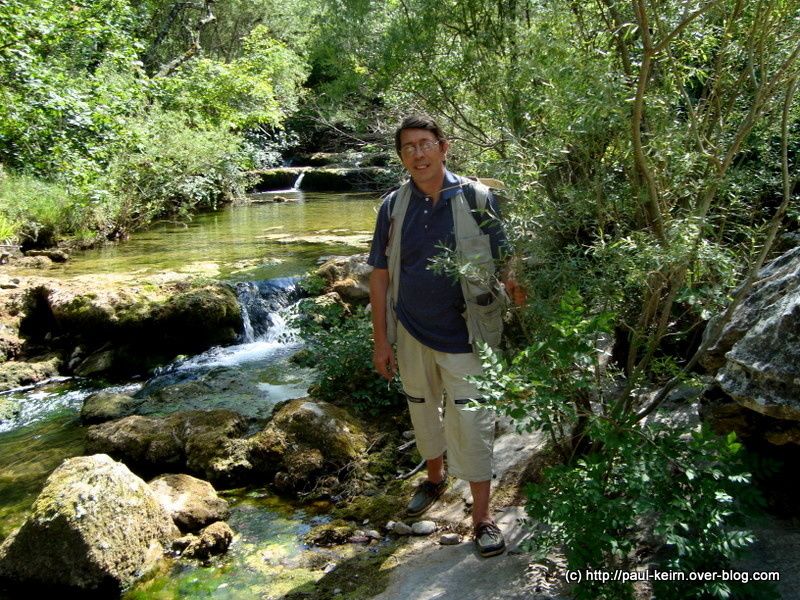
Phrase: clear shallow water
[241,243]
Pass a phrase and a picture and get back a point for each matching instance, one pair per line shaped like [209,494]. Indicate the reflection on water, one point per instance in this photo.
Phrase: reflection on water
[243,243]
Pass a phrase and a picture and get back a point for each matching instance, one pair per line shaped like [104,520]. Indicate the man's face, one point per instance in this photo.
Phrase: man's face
[422,155]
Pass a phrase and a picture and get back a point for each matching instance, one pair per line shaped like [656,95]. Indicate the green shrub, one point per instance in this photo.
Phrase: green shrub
[169,170]
[649,490]
[38,213]
[340,348]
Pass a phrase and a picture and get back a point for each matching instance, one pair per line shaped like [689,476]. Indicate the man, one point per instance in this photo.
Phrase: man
[424,313]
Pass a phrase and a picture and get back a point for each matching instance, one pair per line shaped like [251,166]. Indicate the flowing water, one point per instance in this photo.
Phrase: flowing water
[247,245]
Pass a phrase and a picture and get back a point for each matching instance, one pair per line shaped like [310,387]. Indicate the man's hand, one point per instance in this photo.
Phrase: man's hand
[515,291]
[383,360]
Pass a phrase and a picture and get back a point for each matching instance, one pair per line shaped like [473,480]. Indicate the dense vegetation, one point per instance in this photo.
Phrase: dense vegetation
[650,151]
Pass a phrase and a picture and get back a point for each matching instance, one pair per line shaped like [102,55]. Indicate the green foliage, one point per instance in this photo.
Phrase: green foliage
[170,170]
[687,498]
[340,348]
[36,213]
[258,88]
[536,385]
[79,109]
[313,284]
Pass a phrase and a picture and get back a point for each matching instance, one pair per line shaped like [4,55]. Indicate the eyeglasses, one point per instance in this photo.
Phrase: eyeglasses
[425,146]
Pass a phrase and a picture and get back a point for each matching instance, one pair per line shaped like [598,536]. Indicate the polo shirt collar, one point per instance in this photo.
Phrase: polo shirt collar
[451,185]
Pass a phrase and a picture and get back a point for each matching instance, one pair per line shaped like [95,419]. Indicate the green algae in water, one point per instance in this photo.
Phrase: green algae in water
[265,560]
[27,457]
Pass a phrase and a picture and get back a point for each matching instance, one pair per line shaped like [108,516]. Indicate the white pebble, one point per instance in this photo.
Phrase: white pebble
[423,527]
[401,528]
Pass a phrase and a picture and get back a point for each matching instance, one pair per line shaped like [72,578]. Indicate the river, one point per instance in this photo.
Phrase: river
[251,242]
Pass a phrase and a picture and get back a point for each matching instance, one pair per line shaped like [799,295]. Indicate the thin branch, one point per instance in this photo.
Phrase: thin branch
[752,275]
[683,25]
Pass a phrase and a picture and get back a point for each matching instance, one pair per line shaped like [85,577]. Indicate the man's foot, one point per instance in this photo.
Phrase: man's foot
[425,495]
[489,539]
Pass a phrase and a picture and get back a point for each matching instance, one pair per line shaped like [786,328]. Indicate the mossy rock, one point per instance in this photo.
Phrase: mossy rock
[322,425]
[95,527]
[379,507]
[203,442]
[16,373]
[106,406]
[129,329]
[330,534]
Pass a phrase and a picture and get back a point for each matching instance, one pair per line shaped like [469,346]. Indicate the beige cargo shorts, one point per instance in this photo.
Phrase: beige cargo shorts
[438,400]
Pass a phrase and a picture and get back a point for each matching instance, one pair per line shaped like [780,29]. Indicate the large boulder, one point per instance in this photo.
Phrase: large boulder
[758,352]
[127,329]
[348,276]
[204,442]
[95,526]
[305,439]
[192,503]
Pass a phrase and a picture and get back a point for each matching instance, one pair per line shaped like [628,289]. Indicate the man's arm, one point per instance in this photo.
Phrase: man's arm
[382,355]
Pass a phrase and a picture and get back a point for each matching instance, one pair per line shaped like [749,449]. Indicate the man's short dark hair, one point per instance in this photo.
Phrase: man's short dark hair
[418,121]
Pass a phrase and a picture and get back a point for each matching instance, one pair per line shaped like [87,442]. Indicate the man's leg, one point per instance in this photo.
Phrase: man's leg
[480,501]
[423,388]
[435,467]
[470,437]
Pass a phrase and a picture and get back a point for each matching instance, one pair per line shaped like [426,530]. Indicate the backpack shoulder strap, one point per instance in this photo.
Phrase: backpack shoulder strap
[477,196]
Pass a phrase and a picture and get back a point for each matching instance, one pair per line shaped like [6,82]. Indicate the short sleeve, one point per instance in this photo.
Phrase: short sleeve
[377,252]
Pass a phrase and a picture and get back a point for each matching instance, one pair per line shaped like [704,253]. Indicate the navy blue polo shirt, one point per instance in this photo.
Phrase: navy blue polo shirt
[430,305]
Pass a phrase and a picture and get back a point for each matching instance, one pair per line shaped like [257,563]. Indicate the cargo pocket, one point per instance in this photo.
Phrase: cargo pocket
[485,321]
[477,251]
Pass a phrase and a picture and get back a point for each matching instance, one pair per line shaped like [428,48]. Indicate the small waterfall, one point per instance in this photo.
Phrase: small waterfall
[263,305]
[297,181]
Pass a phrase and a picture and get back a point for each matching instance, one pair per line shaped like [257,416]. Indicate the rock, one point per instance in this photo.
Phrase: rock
[423,528]
[359,539]
[15,373]
[212,541]
[328,308]
[758,351]
[409,435]
[106,406]
[95,526]
[97,362]
[348,276]
[33,262]
[326,179]
[204,442]
[127,329]
[9,409]
[725,415]
[303,436]
[372,534]
[192,503]
[450,539]
[330,534]
[55,255]
[401,528]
